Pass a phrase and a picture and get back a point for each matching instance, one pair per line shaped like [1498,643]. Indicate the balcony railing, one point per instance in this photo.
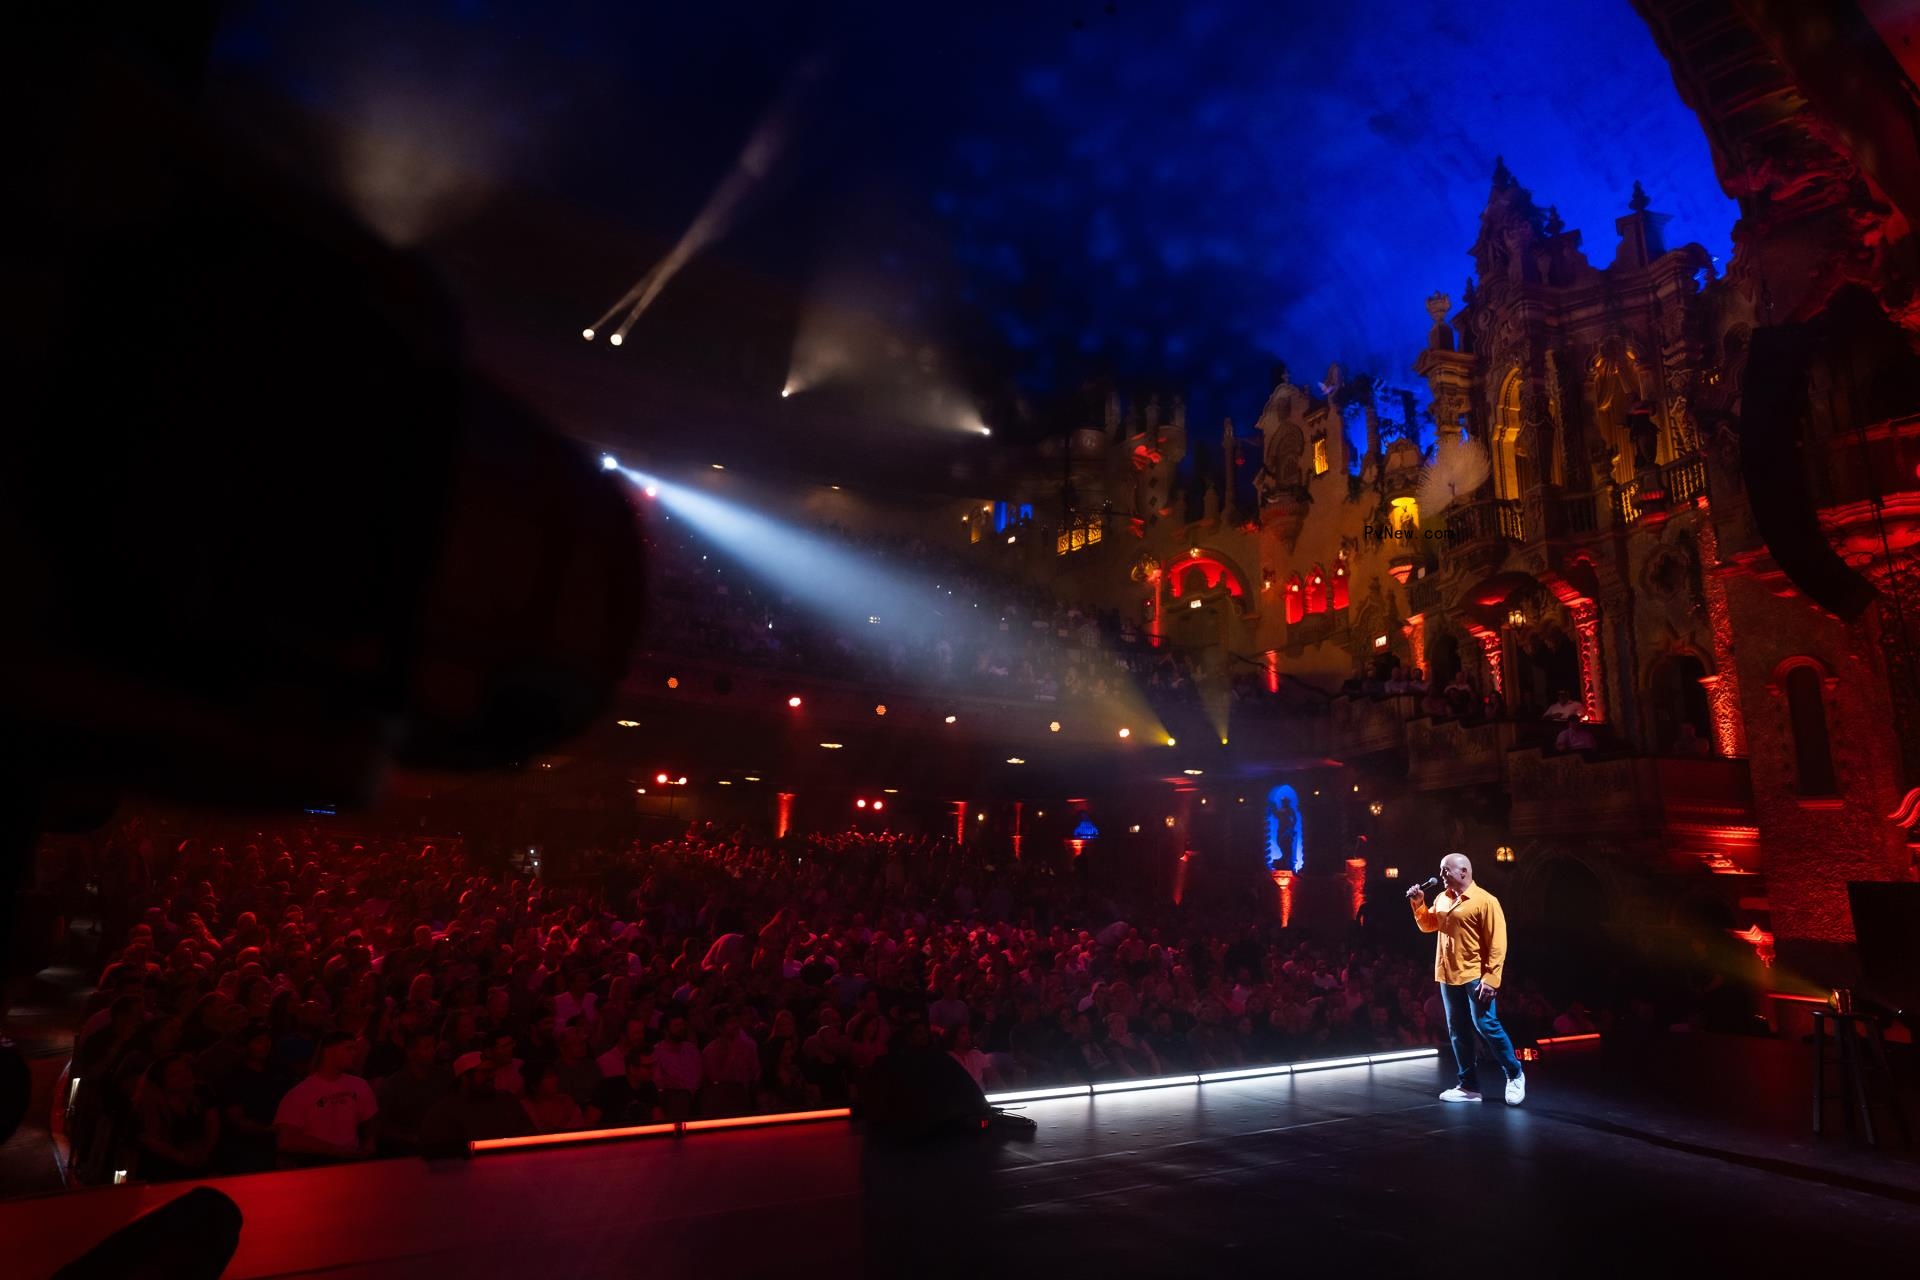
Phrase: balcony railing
[1671,486]
[1363,725]
[1493,519]
[1567,794]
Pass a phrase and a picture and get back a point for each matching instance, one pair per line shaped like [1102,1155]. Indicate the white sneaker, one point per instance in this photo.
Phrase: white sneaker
[1459,1095]
[1517,1090]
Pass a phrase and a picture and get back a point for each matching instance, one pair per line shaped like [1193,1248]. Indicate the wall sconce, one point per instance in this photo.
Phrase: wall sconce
[1391,873]
[1503,854]
[1169,820]
[1516,617]
[1376,808]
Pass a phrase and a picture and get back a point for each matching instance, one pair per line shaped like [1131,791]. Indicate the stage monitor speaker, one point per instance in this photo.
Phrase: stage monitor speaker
[191,1237]
[1773,463]
[916,1093]
[1883,916]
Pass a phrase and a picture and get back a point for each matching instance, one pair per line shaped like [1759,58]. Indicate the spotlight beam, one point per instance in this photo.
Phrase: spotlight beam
[850,589]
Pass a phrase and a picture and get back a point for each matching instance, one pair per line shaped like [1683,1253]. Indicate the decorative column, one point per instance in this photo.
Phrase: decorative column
[960,822]
[1415,630]
[1018,807]
[1723,686]
[783,815]
[1586,626]
[1356,886]
[1490,653]
[1283,883]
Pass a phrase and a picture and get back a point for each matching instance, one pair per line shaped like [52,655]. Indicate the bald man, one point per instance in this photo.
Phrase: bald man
[1469,956]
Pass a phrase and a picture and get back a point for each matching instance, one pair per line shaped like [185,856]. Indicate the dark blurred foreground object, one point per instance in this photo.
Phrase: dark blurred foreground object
[915,1091]
[262,533]
[191,1237]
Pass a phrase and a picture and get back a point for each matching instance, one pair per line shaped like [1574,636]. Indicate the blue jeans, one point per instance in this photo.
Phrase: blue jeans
[1467,1016]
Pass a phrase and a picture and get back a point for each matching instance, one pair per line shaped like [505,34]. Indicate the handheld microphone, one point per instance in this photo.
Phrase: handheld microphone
[1430,887]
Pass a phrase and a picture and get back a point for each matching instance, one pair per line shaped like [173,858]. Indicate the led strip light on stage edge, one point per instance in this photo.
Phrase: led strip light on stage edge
[684,1127]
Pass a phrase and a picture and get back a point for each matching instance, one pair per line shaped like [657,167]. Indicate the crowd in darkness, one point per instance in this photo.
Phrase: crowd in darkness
[283,1000]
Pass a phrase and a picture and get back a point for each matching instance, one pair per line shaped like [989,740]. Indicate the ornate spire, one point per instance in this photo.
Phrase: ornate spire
[1639,201]
[1502,176]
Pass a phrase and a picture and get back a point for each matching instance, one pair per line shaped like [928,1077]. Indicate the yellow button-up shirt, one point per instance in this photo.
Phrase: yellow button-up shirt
[1473,935]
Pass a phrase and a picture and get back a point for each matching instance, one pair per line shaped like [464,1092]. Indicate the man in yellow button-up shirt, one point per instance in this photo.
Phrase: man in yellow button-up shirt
[1470,954]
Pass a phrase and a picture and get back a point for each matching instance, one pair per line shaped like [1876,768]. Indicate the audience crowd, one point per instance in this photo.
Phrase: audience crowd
[274,1001]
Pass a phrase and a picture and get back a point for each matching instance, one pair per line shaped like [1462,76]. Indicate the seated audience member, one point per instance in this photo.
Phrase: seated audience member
[961,1049]
[406,1096]
[249,1099]
[177,1129]
[614,1061]
[473,1112]
[1576,736]
[329,1115]
[1564,707]
[630,1098]
[549,1108]
[677,1069]
[730,1066]
[507,1077]
[1460,695]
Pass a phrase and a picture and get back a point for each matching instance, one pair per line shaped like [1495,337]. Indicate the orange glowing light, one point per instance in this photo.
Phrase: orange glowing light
[673,682]
[564,1139]
[783,1117]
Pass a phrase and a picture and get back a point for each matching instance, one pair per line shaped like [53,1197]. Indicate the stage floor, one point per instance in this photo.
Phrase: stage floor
[1685,1155]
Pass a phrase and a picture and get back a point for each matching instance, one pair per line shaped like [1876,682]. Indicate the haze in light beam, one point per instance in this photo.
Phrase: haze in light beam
[845,587]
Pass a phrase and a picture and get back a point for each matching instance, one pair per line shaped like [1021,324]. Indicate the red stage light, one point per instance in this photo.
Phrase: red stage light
[879,805]
[860,804]
[660,778]
[793,702]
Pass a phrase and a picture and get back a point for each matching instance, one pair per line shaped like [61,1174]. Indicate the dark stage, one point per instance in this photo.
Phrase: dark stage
[1697,1153]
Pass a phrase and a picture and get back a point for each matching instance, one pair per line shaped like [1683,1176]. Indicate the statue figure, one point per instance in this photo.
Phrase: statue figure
[1440,336]
[1286,831]
[1210,503]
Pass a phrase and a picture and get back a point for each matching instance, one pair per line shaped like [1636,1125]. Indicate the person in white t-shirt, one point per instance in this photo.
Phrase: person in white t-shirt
[329,1115]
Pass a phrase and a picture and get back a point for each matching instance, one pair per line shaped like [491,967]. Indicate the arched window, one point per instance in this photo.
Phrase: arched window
[1317,590]
[1340,583]
[1812,751]
[1296,599]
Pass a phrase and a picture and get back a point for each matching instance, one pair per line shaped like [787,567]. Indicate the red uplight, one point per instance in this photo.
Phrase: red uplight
[860,804]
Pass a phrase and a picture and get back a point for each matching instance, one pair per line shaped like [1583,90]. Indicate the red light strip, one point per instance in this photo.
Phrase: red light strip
[783,1117]
[564,1139]
[535,1140]
[1582,1038]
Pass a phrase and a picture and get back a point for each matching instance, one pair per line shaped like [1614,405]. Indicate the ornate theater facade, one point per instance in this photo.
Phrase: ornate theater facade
[1686,498]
